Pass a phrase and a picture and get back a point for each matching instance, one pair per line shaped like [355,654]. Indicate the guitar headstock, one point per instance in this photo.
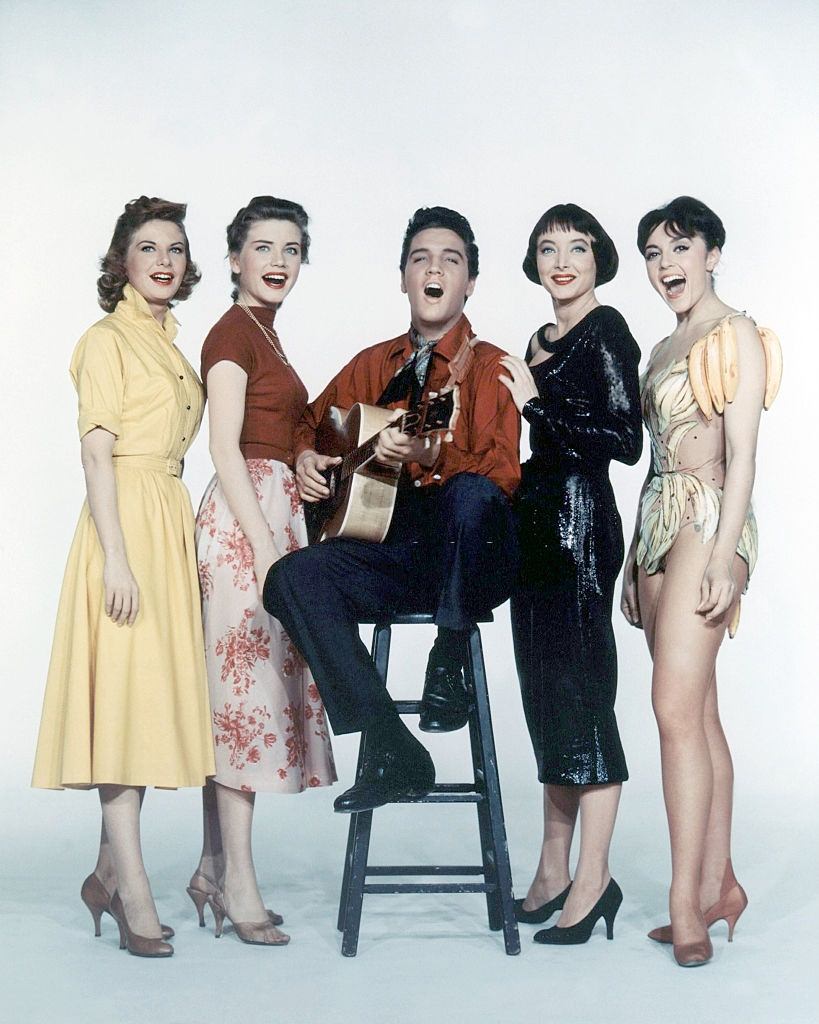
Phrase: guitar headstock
[437,413]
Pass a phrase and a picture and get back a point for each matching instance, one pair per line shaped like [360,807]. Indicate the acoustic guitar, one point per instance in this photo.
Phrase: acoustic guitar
[363,490]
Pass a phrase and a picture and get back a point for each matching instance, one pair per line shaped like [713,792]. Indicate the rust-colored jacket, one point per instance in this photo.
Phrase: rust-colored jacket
[487,433]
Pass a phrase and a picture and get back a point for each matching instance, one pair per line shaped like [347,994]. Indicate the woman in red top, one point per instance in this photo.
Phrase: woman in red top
[269,725]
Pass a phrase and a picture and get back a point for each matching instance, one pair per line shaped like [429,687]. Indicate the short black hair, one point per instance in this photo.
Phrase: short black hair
[683,216]
[441,217]
[265,208]
[570,217]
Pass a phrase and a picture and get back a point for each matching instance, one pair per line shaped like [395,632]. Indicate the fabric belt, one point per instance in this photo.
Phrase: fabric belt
[173,467]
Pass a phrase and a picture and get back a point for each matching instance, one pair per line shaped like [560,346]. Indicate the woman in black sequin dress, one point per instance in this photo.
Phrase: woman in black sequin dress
[578,389]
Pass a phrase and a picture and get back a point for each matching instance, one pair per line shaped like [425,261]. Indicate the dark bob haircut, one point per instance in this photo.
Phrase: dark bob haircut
[113,279]
[265,208]
[683,216]
[569,217]
[441,217]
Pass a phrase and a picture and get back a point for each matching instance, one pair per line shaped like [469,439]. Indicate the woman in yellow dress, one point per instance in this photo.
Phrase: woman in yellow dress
[126,701]
[694,549]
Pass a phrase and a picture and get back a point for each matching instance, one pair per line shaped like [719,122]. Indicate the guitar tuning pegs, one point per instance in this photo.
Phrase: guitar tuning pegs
[448,437]
[433,394]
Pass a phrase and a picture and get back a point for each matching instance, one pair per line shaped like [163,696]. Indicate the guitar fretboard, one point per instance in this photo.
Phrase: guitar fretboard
[358,456]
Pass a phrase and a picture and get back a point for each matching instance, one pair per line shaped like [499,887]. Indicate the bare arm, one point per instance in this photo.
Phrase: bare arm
[121,589]
[741,425]
[227,384]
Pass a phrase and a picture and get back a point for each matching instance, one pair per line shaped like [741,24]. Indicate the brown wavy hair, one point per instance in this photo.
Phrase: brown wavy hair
[113,278]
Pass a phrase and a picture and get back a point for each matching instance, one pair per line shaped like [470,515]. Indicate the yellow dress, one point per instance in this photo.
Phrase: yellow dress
[129,705]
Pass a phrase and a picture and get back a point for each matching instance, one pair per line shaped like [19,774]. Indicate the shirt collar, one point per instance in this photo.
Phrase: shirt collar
[133,306]
[447,346]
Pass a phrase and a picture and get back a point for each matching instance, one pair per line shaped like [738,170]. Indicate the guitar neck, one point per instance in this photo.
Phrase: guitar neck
[356,458]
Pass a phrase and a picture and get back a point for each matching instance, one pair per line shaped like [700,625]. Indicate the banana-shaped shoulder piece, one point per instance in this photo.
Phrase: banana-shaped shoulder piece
[713,367]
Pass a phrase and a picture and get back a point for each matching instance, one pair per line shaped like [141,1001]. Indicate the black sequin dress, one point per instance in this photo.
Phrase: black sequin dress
[587,413]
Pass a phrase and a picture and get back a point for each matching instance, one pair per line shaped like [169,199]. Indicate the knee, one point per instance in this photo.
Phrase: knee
[676,719]
[472,499]
[285,578]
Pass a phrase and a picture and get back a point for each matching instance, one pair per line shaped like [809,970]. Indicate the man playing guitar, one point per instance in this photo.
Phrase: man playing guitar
[450,548]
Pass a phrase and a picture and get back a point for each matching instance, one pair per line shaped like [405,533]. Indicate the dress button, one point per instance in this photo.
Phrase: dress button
[417,483]
[188,408]
[436,476]
[181,376]
[183,438]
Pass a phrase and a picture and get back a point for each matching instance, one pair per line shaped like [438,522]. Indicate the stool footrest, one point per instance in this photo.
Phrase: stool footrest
[438,796]
[430,887]
[424,869]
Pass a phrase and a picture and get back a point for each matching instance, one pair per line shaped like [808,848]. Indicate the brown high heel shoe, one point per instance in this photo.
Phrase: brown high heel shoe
[137,945]
[254,933]
[729,908]
[694,954]
[201,888]
[98,900]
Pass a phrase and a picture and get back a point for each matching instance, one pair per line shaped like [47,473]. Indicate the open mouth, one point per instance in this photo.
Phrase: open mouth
[275,280]
[433,290]
[161,278]
[563,278]
[673,285]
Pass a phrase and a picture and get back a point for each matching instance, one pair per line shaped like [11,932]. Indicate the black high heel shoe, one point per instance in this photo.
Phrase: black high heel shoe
[606,907]
[544,911]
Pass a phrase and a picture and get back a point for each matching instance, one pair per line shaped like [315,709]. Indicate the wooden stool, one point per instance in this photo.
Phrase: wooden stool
[483,791]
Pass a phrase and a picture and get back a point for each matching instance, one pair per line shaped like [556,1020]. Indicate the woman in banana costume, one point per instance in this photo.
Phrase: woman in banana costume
[694,548]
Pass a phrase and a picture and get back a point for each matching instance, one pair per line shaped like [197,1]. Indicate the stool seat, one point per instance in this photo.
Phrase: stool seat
[412,619]
[483,791]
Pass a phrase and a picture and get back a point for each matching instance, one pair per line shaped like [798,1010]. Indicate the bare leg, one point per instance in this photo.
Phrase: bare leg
[240,888]
[120,813]
[560,806]
[684,650]
[598,811]
[718,835]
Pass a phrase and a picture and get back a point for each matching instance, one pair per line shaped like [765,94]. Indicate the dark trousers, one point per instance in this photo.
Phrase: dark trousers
[451,550]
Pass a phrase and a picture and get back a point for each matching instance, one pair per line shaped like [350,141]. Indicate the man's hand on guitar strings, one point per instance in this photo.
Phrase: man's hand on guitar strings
[311,484]
[394,448]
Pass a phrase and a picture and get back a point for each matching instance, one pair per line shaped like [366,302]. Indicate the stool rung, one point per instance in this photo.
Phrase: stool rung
[445,797]
[408,707]
[424,869]
[431,887]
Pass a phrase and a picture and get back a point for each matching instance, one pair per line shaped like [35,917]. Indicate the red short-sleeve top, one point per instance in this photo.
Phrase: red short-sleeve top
[275,399]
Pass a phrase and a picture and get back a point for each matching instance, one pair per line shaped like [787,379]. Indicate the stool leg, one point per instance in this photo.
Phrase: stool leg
[358,835]
[493,814]
[493,904]
[351,842]
[358,873]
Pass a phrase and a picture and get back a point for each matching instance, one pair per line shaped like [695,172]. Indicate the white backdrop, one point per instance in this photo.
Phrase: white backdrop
[363,111]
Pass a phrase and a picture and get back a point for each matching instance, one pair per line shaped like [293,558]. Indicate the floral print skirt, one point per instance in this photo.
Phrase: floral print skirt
[269,725]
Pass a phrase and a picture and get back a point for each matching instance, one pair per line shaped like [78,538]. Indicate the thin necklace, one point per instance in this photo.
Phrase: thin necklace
[269,335]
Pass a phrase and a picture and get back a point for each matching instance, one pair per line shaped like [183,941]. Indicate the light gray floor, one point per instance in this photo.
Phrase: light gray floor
[421,958]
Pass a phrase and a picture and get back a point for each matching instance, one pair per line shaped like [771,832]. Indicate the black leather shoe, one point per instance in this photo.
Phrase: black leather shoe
[389,774]
[445,703]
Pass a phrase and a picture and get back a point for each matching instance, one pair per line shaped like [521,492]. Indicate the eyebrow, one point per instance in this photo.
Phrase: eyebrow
[150,241]
[424,249]
[267,241]
[585,241]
